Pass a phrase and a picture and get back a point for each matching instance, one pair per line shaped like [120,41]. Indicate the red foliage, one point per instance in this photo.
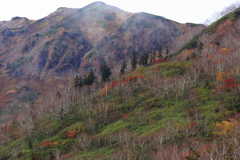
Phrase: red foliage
[207,147]
[115,83]
[158,61]
[45,144]
[229,83]
[184,154]
[132,78]
[192,125]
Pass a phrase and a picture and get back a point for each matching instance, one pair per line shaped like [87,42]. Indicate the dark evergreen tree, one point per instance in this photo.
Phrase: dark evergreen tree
[151,59]
[193,55]
[167,51]
[141,60]
[154,55]
[106,72]
[134,60]
[144,59]
[160,51]
[78,81]
[200,47]
[124,66]
[90,78]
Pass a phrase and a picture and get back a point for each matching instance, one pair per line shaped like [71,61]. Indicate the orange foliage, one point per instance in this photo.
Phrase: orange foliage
[71,134]
[220,76]
[224,50]
[115,83]
[45,144]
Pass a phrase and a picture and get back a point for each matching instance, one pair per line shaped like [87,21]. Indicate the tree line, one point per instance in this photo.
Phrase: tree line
[145,60]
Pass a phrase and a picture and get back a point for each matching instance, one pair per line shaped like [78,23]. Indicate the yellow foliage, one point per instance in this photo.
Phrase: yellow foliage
[55,143]
[226,127]
[220,76]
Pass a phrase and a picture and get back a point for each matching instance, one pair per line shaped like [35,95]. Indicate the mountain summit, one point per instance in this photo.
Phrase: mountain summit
[73,41]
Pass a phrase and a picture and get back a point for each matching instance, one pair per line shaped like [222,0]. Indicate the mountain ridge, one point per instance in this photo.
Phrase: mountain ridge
[73,41]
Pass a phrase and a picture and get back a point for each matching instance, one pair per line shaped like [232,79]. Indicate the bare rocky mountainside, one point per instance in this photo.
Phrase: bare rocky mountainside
[52,50]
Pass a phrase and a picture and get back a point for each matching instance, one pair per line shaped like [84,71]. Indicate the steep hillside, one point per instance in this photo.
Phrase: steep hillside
[221,36]
[166,111]
[181,108]
[73,41]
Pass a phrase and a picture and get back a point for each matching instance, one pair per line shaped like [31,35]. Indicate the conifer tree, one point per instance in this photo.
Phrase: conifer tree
[154,55]
[151,59]
[200,47]
[124,66]
[144,59]
[87,80]
[90,78]
[78,81]
[160,51]
[106,72]
[134,60]
[167,53]
[141,60]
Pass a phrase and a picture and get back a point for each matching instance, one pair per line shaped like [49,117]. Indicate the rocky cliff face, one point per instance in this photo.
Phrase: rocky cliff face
[72,41]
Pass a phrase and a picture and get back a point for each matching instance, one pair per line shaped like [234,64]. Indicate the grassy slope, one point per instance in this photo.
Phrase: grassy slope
[126,120]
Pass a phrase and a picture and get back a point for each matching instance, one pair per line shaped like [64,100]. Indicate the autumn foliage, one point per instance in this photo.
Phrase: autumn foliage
[45,144]
[71,134]
[158,61]
[115,83]
[229,83]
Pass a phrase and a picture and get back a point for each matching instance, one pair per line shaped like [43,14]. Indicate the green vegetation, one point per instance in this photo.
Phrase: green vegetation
[114,36]
[106,72]
[91,54]
[102,23]
[123,67]
[17,63]
[53,30]
[190,44]
[166,110]
[192,24]
[134,60]
[149,110]
[231,16]
[193,43]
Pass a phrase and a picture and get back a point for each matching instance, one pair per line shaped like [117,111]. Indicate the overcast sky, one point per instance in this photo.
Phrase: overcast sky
[195,11]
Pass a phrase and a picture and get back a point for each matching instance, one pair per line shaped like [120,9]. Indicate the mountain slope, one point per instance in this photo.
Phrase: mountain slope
[72,41]
[222,34]
[186,109]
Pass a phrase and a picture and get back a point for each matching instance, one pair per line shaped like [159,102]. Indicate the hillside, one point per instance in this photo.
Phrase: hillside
[69,42]
[184,107]
[165,111]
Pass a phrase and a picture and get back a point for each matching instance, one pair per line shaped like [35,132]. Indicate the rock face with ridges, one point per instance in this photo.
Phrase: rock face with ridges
[72,41]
